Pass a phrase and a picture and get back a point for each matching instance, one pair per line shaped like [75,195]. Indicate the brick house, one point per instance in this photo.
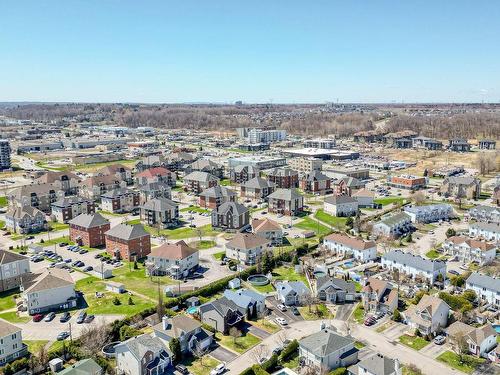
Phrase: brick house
[68,208]
[196,182]
[257,188]
[316,182]
[121,200]
[286,202]
[129,242]
[284,178]
[213,197]
[88,230]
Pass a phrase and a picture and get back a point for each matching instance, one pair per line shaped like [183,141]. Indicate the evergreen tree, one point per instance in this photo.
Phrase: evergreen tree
[175,348]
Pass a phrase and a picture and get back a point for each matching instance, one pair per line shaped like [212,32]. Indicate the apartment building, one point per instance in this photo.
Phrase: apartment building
[414,266]
[196,182]
[121,200]
[25,219]
[88,230]
[13,267]
[284,178]
[129,242]
[160,213]
[305,164]
[468,250]
[11,343]
[487,288]
[67,208]
[4,154]
[346,246]
[286,202]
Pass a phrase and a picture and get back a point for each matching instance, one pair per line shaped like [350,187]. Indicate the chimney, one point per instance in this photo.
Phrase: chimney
[164,322]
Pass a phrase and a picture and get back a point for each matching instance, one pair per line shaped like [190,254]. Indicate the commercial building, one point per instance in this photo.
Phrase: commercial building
[407,182]
[324,143]
[260,162]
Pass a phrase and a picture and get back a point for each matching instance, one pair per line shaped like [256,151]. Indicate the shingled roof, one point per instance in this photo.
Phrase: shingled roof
[89,220]
[127,232]
[178,251]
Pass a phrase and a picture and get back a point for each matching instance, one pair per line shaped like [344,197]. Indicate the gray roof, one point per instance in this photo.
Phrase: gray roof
[282,172]
[19,212]
[218,191]
[140,345]
[89,220]
[68,201]
[484,281]
[395,219]
[7,328]
[325,282]
[221,305]
[461,180]
[316,176]
[7,257]
[127,232]
[285,194]
[339,199]
[414,261]
[258,183]
[296,287]
[200,176]
[244,297]
[249,168]
[428,208]
[154,186]
[325,342]
[118,192]
[202,164]
[377,365]
[236,208]
[159,204]
[491,227]
[84,367]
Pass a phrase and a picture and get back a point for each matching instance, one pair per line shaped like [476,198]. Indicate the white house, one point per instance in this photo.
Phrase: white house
[479,340]
[142,355]
[376,365]
[291,293]
[12,269]
[393,226]
[11,343]
[247,248]
[488,231]
[364,197]
[487,288]
[430,213]
[343,245]
[53,289]
[485,213]
[470,250]
[430,315]
[175,260]
[341,205]
[414,266]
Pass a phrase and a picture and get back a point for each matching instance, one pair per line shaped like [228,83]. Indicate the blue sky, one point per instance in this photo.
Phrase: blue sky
[255,51]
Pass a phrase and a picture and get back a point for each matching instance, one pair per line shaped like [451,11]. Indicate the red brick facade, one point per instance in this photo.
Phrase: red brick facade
[133,249]
[91,237]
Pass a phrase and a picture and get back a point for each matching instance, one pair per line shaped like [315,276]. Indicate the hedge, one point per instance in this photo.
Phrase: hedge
[289,350]
[271,363]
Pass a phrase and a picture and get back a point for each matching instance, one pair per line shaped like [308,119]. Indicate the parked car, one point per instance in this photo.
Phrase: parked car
[88,269]
[62,244]
[89,318]
[453,272]
[219,369]
[439,340]
[62,336]
[281,321]
[37,317]
[277,350]
[65,317]
[182,369]
[81,317]
[49,317]
[281,307]
[295,311]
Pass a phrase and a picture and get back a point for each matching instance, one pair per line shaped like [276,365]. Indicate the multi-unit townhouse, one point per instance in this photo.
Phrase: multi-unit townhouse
[25,219]
[40,196]
[94,187]
[393,226]
[154,190]
[461,187]
[347,246]
[487,231]
[216,195]
[341,205]
[231,216]
[156,174]
[468,250]
[487,288]
[207,166]
[484,213]
[13,267]
[430,213]
[414,266]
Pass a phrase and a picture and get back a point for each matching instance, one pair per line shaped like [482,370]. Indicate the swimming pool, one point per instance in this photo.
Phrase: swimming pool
[348,264]
[192,310]
[497,328]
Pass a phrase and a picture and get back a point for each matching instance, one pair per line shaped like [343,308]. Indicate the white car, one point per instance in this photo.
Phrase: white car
[281,307]
[282,321]
[219,369]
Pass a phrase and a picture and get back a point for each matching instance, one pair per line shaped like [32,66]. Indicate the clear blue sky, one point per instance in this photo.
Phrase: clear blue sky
[255,50]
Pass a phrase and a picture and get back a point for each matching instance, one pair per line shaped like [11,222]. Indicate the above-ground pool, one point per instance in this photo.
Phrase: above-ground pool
[109,349]
[319,274]
[497,328]
[258,280]
[192,310]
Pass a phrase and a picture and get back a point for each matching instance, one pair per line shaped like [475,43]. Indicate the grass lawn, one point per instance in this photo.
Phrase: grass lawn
[383,327]
[263,288]
[195,209]
[16,237]
[7,299]
[468,365]
[288,273]
[2,224]
[359,313]
[35,345]
[433,254]
[58,226]
[183,232]
[413,342]
[292,362]
[388,200]
[199,366]
[312,225]
[3,201]
[359,345]
[338,222]
[225,182]
[12,317]
[240,345]
[203,244]
[104,305]
[266,325]
[56,345]
[134,221]
[316,312]
[111,213]
[57,240]
[220,255]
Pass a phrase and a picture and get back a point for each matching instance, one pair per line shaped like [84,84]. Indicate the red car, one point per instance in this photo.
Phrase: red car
[37,317]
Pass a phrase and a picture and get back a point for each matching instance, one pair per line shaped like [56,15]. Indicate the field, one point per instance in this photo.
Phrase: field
[202,245]
[183,233]
[468,365]
[333,221]
[12,317]
[55,241]
[312,225]
[34,346]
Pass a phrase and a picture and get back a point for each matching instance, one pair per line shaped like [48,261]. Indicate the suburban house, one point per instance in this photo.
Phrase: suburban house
[88,230]
[480,340]
[341,205]
[393,226]
[231,216]
[242,173]
[326,350]
[191,335]
[25,219]
[51,290]
[156,174]
[196,182]
[216,195]
[487,288]
[247,248]
[430,213]
[160,213]
[221,314]
[316,182]
[95,186]
[414,266]
[175,260]
[83,367]
[348,185]
[268,229]
[461,187]
[487,144]
[427,143]
[67,208]
[129,242]
[207,166]
[364,197]
[154,190]
[334,290]
[376,365]
[250,303]
[256,188]
[470,250]
[488,231]
[484,213]
[120,200]
[284,178]
[347,246]
[379,296]
[291,293]
[430,316]
[286,202]
[12,346]
[13,268]
[142,355]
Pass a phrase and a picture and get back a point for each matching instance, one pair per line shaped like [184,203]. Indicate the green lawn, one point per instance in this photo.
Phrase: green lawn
[288,273]
[263,288]
[266,325]
[292,362]
[112,214]
[240,345]
[7,299]
[12,317]
[433,254]
[220,255]
[35,345]
[338,222]
[359,345]
[312,225]
[195,209]
[104,305]
[57,240]
[468,365]
[225,182]
[58,226]
[319,311]
[388,200]
[2,224]
[359,313]
[134,221]
[199,366]
[183,232]
[3,201]
[413,342]
[203,244]
[55,346]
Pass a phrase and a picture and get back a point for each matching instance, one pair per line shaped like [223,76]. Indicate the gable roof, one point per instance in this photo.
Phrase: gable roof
[325,342]
[200,176]
[282,172]
[68,201]
[484,281]
[258,183]
[179,250]
[154,172]
[127,232]
[351,242]
[177,325]
[118,192]
[340,199]
[364,193]
[415,261]
[18,212]
[234,207]
[159,204]
[89,220]
[246,241]
[326,282]
[217,191]
[7,329]
[475,244]
[285,194]
[138,346]
[244,297]
[264,225]
[378,365]
[49,279]
[222,305]
[7,257]
[83,367]
[295,287]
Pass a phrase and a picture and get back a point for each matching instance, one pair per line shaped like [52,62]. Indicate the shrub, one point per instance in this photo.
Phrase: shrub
[456,302]
[127,332]
[130,301]
[116,301]
[289,350]
[339,371]
[396,316]
[271,363]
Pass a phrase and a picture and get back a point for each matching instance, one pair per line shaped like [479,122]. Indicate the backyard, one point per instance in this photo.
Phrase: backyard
[333,221]
[288,273]
[388,200]
[315,312]
[310,224]
[200,366]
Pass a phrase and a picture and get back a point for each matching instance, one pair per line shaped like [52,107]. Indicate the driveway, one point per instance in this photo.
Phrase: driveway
[223,355]
[344,311]
[256,331]
[272,304]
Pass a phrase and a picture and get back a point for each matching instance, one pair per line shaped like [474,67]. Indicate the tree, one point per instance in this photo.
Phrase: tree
[136,267]
[413,369]
[199,352]
[451,232]
[349,222]
[260,352]
[295,260]
[418,198]
[175,348]
[93,337]
[396,316]
[235,333]
[459,345]
[469,295]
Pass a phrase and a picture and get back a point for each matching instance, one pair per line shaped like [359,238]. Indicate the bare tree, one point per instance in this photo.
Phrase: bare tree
[459,345]
[419,198]
[199,352]
[93,337]
[260,352]
[282,337]
[308,300]
[235,333]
